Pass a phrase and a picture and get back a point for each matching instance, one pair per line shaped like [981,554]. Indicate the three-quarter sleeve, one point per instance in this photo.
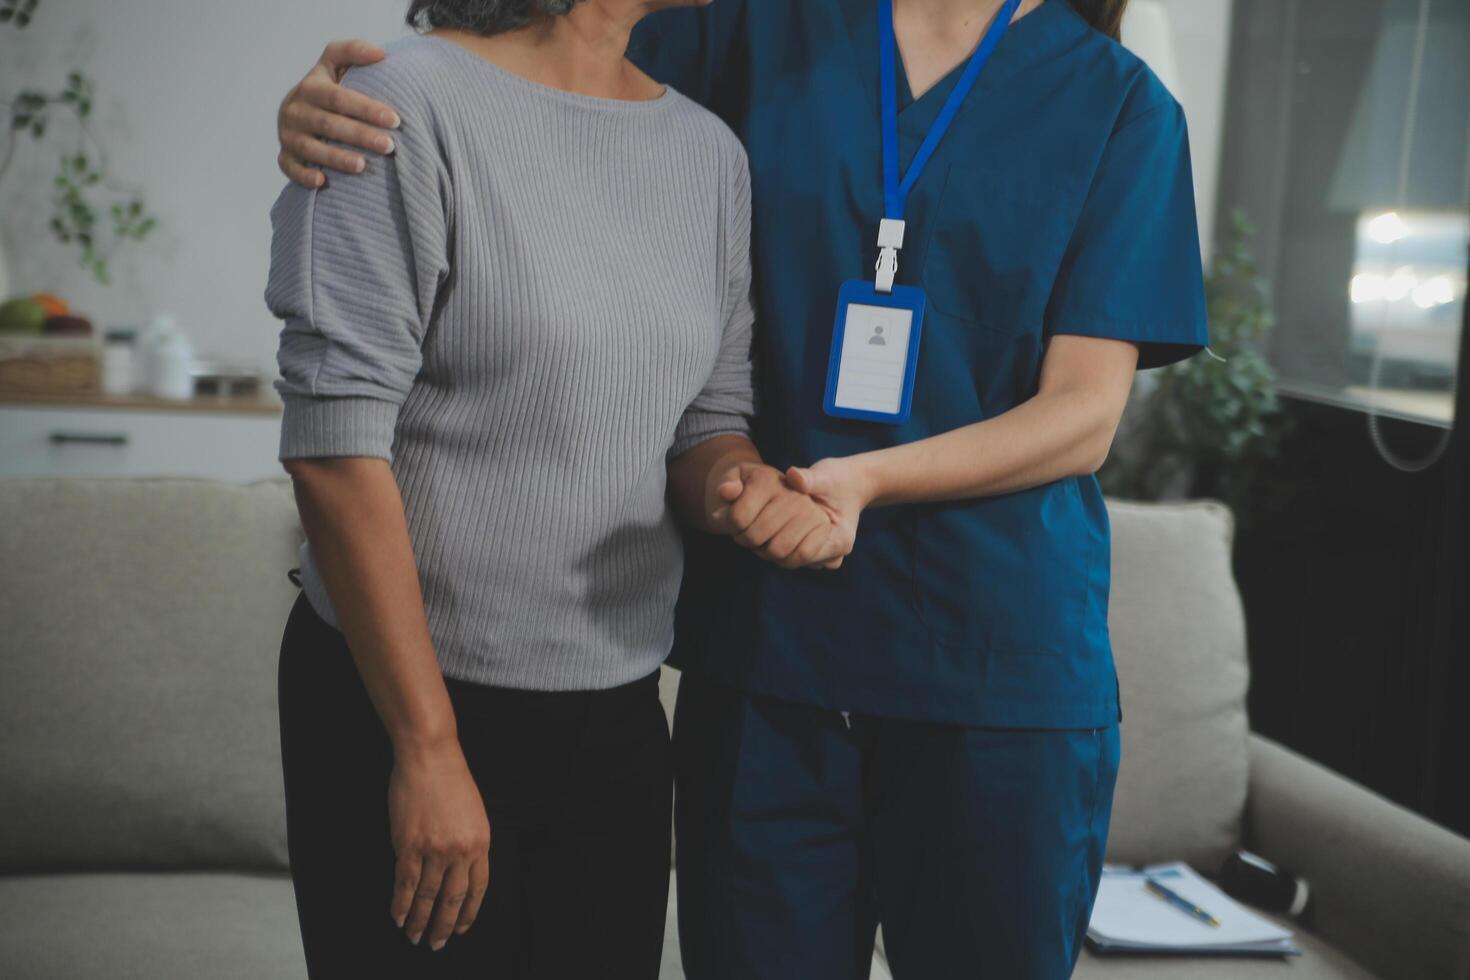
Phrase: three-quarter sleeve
[1132,269]
[355,269]
[727,401]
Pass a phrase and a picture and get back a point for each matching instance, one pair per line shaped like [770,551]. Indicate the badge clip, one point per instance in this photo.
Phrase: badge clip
[890,240]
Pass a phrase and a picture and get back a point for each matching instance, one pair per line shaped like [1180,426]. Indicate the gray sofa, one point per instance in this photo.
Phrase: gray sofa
[141,820]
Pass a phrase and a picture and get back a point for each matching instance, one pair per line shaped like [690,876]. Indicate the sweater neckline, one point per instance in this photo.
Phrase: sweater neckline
[560,94]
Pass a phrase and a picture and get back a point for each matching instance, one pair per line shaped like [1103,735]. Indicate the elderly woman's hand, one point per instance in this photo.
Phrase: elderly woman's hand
[441,837]
[318,108]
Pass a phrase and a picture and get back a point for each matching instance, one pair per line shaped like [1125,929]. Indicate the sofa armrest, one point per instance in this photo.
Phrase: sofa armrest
[1389,888]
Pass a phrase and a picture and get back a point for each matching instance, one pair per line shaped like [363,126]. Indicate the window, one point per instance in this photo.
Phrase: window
[1348,146]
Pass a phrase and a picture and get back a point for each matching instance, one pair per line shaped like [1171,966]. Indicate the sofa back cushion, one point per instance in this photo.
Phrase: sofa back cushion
[1178,634]
[142,623]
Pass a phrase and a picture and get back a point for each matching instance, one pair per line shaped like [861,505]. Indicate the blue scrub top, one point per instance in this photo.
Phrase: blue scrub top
[1060,201]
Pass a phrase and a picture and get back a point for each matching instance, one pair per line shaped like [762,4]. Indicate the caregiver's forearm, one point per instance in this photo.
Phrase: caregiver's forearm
[695,474]
[1065,430]
[353,515]
[1042,440]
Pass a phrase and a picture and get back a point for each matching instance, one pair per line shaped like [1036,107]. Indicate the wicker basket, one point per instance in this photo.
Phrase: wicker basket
[66,364]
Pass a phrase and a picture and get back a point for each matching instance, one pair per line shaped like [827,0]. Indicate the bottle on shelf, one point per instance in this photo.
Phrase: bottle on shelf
[118,361]
[167,356]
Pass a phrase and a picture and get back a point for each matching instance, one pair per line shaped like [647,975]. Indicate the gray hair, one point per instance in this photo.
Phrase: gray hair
[483,16]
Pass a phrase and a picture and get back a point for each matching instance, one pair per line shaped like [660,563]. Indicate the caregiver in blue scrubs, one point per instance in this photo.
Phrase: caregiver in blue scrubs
[926,737]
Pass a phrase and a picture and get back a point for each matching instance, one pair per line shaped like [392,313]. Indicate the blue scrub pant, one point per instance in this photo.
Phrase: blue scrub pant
[978,849]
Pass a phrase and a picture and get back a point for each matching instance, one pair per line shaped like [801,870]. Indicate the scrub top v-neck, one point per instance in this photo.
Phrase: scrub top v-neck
[1059,201]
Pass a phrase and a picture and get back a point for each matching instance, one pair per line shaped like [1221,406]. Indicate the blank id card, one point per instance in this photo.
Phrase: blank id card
[875,349]
[873,367]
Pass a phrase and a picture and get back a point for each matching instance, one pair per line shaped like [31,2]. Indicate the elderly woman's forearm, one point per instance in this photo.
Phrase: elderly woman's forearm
[353,515]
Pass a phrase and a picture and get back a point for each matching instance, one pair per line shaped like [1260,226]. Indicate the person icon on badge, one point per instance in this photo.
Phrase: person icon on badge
[877,339]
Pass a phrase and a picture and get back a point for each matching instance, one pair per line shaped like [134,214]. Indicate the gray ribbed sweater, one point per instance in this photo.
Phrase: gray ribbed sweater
[528,308]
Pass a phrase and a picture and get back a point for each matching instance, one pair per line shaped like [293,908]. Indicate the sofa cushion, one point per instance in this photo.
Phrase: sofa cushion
[1178,635]
[149,926]
[143,622]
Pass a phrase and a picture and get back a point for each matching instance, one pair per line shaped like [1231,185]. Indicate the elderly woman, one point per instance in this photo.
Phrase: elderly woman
[509,348]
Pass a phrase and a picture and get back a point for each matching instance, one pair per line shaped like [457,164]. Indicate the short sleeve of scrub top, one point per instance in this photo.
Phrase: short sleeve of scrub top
[1131,269]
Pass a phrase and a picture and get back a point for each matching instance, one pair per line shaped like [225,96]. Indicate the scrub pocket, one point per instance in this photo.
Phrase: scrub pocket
[996,241]
[999,574]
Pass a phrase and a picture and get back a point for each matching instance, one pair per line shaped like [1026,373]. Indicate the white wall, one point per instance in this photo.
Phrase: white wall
[187,98]
[1199,33]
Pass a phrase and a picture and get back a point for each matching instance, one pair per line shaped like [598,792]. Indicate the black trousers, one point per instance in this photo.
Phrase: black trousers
[577,786]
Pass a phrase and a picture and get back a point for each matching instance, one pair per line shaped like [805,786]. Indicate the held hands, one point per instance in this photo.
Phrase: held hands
[783,519]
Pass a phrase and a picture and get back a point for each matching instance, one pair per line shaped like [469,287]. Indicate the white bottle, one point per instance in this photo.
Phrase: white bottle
[168,355]
[154,332]
[118,362]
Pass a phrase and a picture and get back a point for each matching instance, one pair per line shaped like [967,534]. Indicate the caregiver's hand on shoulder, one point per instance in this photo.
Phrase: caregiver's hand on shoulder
[441,836]
[756,506]
[844,490]
[319,108]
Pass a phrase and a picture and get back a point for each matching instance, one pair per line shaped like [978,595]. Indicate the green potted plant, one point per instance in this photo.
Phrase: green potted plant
[1204,425]
[90,211]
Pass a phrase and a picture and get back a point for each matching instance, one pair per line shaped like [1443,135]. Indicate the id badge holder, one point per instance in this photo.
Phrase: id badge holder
[875,348]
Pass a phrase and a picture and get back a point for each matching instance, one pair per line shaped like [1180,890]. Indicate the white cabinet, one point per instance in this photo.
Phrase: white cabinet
[123,440]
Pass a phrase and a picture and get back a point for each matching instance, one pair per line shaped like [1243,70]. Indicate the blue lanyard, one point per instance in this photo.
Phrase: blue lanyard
[895,193]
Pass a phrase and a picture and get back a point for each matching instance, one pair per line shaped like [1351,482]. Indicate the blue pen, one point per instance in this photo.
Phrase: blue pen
[1180,902]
